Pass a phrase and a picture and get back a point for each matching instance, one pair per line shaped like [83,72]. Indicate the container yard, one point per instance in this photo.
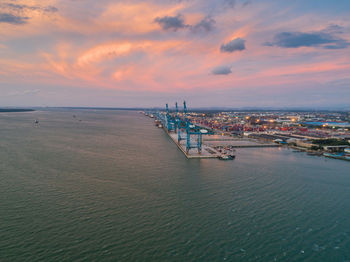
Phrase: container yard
[213,134]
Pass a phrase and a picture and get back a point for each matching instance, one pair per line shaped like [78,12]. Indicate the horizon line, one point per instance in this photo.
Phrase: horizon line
[211,108]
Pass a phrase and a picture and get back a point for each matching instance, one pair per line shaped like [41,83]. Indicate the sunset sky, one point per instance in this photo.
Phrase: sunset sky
[232,53]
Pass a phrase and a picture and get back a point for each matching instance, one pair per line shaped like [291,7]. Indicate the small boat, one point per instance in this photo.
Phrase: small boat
[227,157]
[36,121]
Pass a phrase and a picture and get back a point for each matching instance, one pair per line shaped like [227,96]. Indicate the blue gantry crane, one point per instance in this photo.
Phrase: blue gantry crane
[191,129]
[170,120]
[193,132]
[173,122]
[180,124]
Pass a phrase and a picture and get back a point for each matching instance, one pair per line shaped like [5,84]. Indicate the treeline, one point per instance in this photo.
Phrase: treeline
[331,142]
[6,110]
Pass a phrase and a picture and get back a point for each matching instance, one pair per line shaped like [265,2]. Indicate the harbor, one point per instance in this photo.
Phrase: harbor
[196,141]
[218,147]
[205,134]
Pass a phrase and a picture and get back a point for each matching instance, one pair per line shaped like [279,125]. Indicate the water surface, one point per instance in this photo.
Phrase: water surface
[110,186]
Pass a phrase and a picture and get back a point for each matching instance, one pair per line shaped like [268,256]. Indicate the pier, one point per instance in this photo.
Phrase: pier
[205,153]
[198,141]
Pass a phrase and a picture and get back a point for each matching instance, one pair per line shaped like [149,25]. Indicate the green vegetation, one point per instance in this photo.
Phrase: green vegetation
[331,142]
[316,147]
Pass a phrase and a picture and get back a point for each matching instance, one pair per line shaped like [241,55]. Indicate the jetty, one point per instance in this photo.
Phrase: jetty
[198,141]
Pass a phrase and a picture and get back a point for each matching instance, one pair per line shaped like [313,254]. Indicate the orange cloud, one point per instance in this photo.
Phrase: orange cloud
[134,17]
[104,51]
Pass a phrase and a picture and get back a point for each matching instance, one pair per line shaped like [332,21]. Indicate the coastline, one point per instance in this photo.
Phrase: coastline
[15,110]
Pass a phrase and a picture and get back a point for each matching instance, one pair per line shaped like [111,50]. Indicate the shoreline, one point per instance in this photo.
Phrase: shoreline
[15,110]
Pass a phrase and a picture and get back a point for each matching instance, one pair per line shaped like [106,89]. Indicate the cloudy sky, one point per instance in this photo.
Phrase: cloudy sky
[233,53]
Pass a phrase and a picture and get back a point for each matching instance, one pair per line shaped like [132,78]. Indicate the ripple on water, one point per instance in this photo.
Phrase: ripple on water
[113,187]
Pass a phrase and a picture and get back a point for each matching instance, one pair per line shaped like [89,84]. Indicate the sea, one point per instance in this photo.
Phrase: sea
[108,185]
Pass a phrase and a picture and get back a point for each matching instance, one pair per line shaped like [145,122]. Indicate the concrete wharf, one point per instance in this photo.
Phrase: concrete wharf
[210,143]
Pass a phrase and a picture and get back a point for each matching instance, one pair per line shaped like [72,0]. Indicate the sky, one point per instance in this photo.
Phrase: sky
[223,53]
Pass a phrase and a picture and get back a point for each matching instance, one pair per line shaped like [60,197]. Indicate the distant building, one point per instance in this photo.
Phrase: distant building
[304,143]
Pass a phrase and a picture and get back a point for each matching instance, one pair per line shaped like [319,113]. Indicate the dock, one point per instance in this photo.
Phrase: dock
[193,153]
[211,143]
[198,141]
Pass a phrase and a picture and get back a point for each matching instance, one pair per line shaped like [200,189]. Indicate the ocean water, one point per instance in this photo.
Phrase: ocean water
[110,186]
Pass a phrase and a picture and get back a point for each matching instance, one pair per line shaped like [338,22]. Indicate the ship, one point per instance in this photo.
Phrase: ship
[337,156]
